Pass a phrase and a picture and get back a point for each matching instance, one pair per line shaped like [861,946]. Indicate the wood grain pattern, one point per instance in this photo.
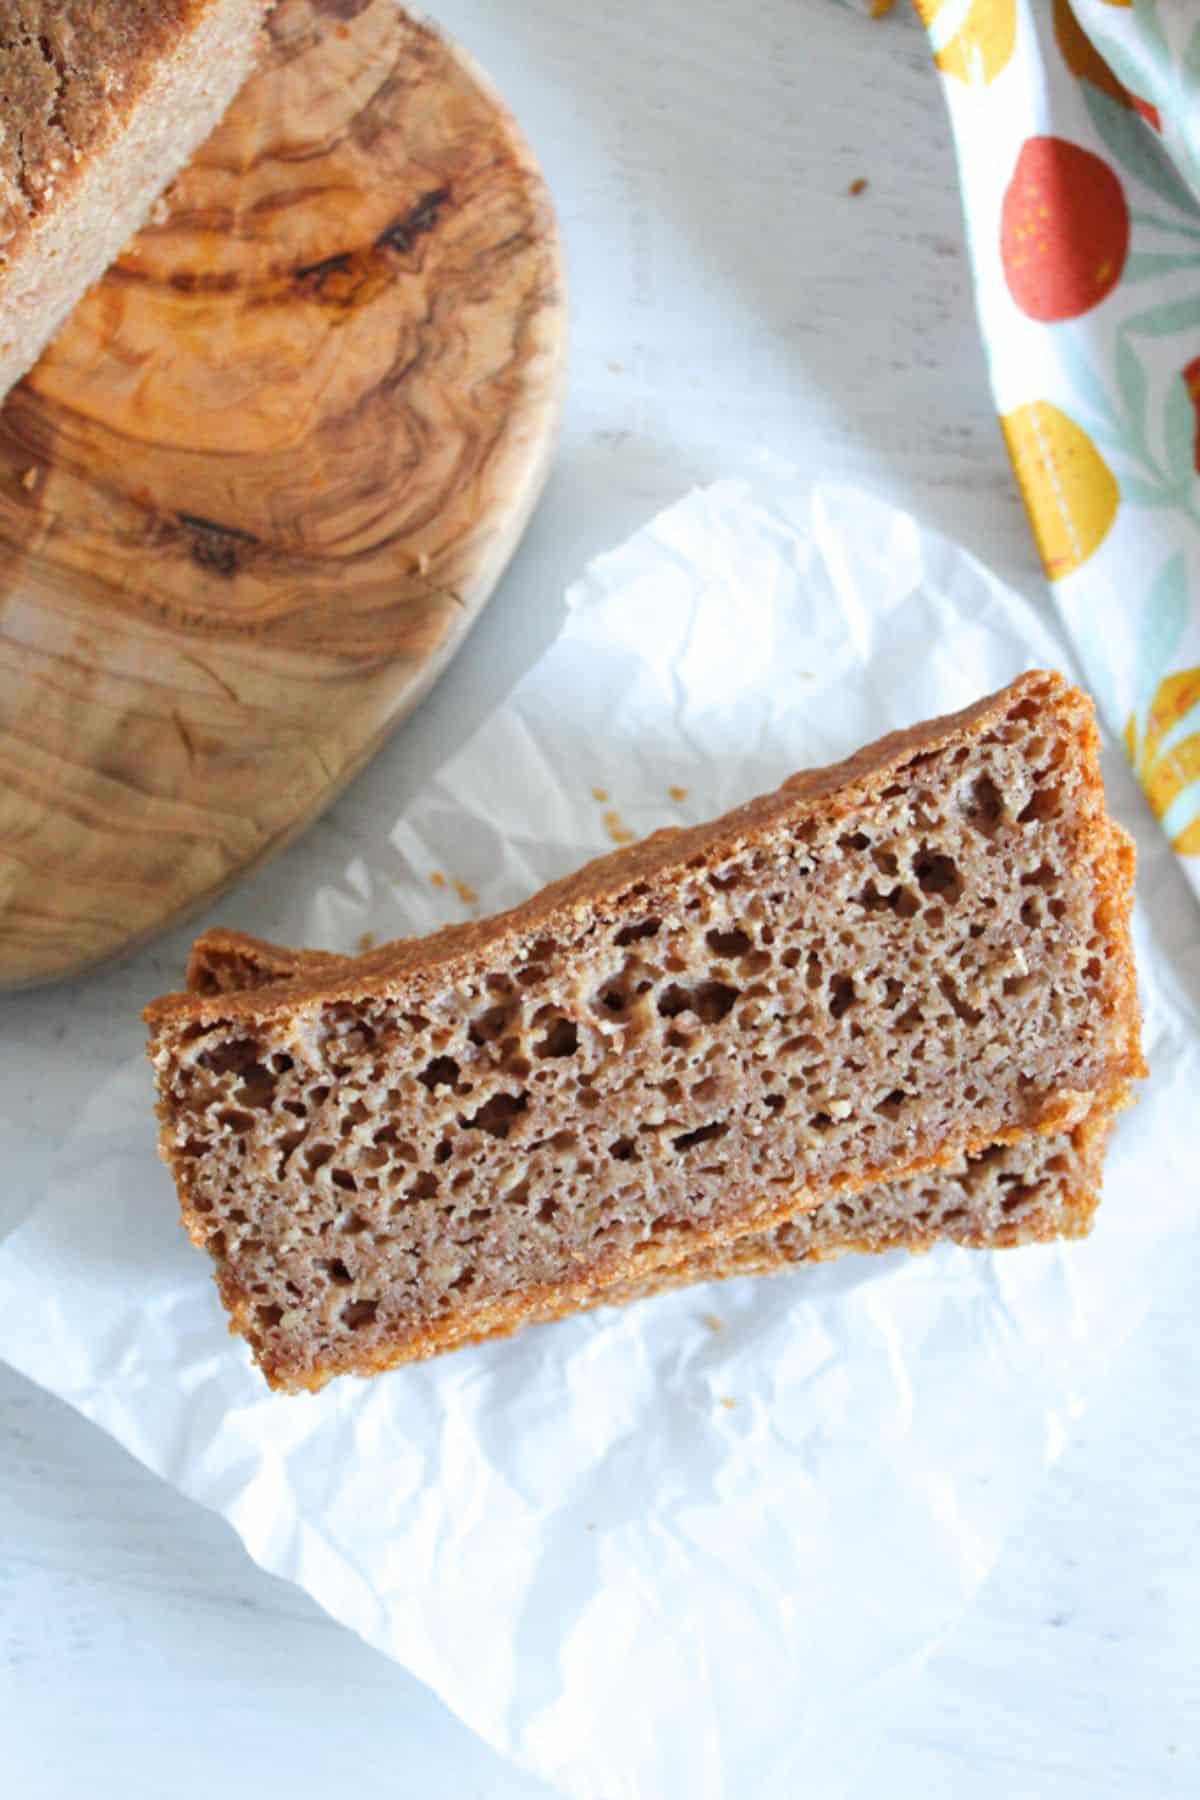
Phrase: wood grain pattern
[256,492]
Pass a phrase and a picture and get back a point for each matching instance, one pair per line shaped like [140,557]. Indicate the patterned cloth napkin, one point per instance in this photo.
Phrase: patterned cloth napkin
[1077,124]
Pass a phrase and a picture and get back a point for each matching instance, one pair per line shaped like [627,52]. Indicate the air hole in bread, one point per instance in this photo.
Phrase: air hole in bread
[710,1001]
[443,1071]
[562,1039]
[496,1115]
[632,934]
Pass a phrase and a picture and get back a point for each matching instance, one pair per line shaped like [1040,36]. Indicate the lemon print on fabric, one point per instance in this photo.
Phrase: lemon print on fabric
[972,39]
[1165,773]
[1070,493]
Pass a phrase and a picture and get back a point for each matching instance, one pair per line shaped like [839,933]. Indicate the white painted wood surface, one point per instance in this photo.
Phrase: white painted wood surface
[730,297]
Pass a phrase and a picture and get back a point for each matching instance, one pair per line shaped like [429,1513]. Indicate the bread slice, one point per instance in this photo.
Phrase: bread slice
[1031,1192]
[101,104]
[880,968]
[1038,1189]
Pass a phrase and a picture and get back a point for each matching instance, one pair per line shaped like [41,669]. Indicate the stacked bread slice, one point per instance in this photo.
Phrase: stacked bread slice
[891,1003]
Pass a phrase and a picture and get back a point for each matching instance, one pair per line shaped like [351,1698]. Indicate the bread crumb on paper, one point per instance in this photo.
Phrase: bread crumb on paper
[678,793]
[599,793]
[465,892]
[616,827]
[366,942]
[437,878]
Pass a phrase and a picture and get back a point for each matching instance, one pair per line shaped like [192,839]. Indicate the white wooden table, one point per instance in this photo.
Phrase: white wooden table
[730,296]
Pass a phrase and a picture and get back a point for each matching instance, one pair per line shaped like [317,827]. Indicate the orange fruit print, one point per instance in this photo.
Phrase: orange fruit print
[1064,229]
[1148,111]
[1191,381]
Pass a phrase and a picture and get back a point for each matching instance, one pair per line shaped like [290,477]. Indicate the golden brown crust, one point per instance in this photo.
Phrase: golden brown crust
[1117,915]
[231,962]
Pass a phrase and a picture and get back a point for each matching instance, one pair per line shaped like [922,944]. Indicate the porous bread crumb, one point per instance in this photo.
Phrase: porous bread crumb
[637,1066]
[1006,1195]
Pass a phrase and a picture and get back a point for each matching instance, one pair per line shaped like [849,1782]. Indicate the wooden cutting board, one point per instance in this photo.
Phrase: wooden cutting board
[255,494]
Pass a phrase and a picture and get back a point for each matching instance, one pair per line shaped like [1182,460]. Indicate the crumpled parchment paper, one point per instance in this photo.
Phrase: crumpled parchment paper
[695,1547]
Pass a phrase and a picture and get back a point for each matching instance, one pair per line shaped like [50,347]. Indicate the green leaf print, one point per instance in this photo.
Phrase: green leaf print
[1164,620]
[1180,432]
[1186,228]
[1166,319]
[1088,390]
[1153,32]
[1191,57]
[1116,421]
[1145,265]
[1134,147]
[1131,379]
[1147,493]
